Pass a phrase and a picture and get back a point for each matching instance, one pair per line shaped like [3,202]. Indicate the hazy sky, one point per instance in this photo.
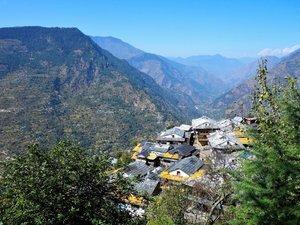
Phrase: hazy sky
[172,27]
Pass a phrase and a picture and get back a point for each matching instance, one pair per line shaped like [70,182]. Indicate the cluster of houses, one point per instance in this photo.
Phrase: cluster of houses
[181,155]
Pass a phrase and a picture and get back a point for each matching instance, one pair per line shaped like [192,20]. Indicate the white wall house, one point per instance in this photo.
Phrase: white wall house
[179,173]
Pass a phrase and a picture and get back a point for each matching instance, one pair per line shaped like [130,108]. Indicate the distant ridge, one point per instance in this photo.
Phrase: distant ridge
[217,64]
[117,47]
[238,99]
[193,86]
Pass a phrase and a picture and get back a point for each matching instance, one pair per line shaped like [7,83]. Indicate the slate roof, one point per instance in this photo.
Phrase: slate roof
[224,141]
[161,148]
[237,120]
[188,165]
[183,150]
[185,127]
[173,131]
[225,124]
[170,139]
[204,123]
[146,149]
[154,174]
[137,168]
[147,186]
[149,147]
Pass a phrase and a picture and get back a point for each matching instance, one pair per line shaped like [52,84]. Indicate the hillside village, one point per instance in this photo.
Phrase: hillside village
[185,155]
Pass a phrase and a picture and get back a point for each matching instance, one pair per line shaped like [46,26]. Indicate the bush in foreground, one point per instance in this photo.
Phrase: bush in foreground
[64,185]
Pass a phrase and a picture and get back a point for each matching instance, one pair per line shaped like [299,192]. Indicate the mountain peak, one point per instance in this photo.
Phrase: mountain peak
[117,47]
[62,85]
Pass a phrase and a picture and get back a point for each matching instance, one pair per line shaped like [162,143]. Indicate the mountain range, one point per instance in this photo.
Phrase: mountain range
[224,68]
[224,85]
[237,101]
[193,86]
[101,92]
[57,83]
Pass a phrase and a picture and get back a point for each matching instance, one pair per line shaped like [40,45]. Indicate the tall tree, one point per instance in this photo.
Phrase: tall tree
[169,208]
[268,188]
[63,185]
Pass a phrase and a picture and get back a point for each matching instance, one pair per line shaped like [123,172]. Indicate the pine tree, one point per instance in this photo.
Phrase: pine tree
[268,187]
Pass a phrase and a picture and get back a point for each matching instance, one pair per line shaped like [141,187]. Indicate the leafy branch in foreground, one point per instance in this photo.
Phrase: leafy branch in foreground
[268,188]
[63,185]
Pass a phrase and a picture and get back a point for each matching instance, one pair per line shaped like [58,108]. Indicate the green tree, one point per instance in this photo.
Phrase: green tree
[63,185]
[124,158]
[169,208]
[268,188]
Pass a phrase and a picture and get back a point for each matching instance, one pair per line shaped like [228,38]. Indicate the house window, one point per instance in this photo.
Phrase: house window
[178,173]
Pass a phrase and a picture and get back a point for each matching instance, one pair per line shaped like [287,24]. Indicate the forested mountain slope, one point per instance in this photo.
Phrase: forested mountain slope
[193,86]
[238,99]
[57,83]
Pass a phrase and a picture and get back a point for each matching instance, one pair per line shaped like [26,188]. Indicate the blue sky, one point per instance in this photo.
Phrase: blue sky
[234,28]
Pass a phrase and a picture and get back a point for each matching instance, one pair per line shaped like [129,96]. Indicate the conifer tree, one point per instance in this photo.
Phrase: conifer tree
[268,187]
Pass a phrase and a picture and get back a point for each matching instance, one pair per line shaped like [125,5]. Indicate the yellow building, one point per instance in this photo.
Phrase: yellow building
[242,136]
[137,149]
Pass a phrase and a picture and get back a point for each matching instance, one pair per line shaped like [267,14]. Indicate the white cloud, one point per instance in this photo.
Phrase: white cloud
[278,51]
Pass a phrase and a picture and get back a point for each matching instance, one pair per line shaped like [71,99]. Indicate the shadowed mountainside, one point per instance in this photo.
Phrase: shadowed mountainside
[57,83]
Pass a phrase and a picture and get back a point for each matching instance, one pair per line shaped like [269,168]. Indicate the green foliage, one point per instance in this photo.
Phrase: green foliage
[124,158]
[169,208]
[57,83]
[268,190]
[63,185]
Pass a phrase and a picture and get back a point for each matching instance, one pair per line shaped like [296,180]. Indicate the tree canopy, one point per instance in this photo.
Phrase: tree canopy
[63,185]
[268,188]
[169,208]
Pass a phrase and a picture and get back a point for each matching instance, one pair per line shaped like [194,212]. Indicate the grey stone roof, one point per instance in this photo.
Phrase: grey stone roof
[170,139]
[237,120]
[137,168]
[173,131]
[185,127]
[183,150]
[147,187]
[224,141]
[160,148]
[188,165]
[148,147]
[204,123]
[225,124]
